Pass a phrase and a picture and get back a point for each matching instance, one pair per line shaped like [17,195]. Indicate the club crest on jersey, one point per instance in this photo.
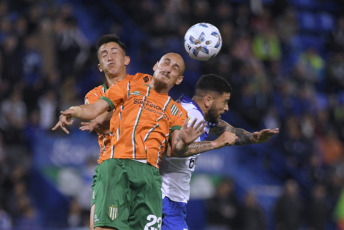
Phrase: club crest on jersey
[174,109]
[113,210]
[146,79]
[135,93]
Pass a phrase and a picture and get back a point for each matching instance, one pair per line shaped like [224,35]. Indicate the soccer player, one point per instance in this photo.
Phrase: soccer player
[111,53]
[209,102]
[146,119]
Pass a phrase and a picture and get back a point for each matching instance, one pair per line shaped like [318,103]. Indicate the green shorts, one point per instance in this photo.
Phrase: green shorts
[128,195]
[94,180]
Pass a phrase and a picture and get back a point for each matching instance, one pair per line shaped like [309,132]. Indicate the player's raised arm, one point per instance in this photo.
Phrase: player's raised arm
[82,112]
[244,137]
[225,139]
[182,138]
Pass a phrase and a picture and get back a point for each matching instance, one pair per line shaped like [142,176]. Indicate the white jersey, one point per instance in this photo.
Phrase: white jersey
[176,171]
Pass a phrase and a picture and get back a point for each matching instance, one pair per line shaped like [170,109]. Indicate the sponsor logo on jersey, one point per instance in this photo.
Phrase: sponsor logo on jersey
[135,93]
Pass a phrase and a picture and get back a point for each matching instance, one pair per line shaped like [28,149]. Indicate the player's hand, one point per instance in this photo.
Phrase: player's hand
[93,126]
[227,138]
[264,135]
[190,133]
[65,119]
[63,122]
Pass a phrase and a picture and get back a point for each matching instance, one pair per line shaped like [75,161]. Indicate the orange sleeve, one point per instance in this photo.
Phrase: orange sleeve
[93,95]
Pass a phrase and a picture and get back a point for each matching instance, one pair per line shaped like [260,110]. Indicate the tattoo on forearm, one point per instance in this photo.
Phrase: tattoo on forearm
[244,137]
[197,147]
[221,127]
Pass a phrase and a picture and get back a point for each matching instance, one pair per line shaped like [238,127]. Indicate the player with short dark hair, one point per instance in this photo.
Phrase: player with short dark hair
[111,53]
[210,101]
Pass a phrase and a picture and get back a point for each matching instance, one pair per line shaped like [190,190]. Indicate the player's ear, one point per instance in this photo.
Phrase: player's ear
[126,60]
[179,80]
[155,67]
[100,68]
[208,100]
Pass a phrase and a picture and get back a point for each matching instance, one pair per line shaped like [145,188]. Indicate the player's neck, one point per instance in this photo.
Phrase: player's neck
[159,87]
[114,79]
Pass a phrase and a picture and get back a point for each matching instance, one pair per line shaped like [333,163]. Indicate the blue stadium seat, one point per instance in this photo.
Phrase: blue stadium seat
[302,42]
[304,4]
[307,21]
[325,21]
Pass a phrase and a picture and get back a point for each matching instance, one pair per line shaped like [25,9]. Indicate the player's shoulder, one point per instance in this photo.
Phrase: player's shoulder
[98,91]
[140,78]
[176,108]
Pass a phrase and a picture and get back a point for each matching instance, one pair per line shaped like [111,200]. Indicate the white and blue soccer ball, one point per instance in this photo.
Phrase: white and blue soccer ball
[202,41]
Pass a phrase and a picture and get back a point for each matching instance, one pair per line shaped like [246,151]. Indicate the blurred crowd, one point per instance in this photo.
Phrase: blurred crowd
[47,64]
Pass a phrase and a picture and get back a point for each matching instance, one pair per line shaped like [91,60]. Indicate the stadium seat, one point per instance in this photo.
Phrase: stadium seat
[325,21]
[307,21]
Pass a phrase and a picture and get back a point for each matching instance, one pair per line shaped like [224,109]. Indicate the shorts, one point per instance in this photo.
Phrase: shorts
[174,215]
[94,180]
[128,195]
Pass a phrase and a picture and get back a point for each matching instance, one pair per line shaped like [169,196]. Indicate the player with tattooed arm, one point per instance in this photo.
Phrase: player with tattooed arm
[209,102]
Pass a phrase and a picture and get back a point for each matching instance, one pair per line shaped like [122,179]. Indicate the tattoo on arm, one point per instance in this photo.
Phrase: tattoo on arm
[197,147]
[244,137]
[221,127]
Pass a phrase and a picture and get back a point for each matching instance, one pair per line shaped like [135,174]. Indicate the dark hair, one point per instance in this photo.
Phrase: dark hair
[214,83]
[110,38]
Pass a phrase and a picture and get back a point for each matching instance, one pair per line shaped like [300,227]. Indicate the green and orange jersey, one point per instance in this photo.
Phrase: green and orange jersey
[95,94]
[142,121]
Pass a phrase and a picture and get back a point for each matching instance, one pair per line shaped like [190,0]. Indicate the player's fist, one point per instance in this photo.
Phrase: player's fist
[225,139]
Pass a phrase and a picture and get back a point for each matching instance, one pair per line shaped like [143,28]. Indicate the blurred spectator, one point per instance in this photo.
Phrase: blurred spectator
[242,47]
[252,214]
[31,62]
[335,73]
[72,47]
[242,18]
[339,211]
[223,13]
[5,220]
[318,209]
[223,209]
[312,67]
[288,208]
[286,27]
[316,171]
[266,46]
[75,214]
[332,149]
[28,217]
[13,117]
[336,41]
[296,147]
[45,39]
[48,109]
[12,65]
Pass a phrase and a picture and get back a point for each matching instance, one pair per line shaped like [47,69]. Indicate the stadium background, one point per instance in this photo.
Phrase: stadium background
[283,58]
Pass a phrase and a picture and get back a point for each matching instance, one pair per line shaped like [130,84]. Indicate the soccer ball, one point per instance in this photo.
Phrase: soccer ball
[202,41]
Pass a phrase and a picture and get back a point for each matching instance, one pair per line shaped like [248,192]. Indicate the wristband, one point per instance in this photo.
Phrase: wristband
[77,110]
